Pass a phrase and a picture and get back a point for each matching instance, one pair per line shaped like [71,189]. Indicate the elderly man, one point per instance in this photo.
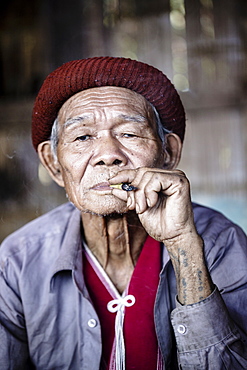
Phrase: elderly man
[129,274]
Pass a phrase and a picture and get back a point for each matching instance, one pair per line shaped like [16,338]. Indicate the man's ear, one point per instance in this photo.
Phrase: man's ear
[172,151]
[49,162]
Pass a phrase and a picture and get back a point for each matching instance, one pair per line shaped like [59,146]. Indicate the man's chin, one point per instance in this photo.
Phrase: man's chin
[104,208]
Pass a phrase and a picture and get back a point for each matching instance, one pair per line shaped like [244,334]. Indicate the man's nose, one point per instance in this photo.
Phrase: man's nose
[108,152]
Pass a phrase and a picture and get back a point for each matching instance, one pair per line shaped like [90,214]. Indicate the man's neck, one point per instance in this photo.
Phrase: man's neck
[116,241]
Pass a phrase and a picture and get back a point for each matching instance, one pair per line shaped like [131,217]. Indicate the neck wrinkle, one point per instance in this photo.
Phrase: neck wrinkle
[95,234]
[116,242]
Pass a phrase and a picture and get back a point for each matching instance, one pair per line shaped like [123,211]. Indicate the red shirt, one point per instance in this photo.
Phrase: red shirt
[141,347]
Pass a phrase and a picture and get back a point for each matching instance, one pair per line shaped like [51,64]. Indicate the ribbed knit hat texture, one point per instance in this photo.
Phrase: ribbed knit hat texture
[82,74]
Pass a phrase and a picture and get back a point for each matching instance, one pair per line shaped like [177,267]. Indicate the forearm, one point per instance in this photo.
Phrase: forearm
[193,280]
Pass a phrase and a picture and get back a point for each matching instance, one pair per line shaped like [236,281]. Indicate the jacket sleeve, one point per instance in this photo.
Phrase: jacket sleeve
[13,338]
[206,336]
[212,334]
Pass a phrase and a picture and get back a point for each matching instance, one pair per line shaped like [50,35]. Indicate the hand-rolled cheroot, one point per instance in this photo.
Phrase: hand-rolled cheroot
[124,186]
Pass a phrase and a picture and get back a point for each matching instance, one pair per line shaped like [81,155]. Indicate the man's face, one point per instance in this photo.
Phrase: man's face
[101,132]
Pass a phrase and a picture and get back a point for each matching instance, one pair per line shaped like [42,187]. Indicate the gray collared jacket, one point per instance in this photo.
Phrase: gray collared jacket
[47,320]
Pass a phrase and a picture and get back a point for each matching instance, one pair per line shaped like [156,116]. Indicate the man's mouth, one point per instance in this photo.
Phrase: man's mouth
[102,186]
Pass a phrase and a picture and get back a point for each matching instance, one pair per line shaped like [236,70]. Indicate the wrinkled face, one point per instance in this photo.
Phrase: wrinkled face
[102,131]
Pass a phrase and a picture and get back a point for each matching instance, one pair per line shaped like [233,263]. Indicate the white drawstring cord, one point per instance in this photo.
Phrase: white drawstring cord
[118,305]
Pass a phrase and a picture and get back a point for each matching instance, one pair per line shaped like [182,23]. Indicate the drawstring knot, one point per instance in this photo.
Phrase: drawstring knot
[118,305]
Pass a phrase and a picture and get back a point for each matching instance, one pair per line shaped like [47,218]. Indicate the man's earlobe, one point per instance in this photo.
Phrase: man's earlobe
[49,162]
[172,151]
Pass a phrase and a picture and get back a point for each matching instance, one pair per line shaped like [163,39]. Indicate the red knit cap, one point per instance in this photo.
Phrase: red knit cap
[79,75]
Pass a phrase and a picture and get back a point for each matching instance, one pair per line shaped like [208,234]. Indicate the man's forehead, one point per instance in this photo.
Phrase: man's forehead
[105,97]
[92,104]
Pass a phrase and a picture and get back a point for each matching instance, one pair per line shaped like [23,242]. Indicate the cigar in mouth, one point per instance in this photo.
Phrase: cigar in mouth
[124,186]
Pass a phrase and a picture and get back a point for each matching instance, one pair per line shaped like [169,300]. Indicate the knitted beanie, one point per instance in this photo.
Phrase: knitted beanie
[82,74]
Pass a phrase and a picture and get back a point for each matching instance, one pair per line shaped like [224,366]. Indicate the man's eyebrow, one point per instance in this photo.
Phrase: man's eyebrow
[136,118]
[75,120]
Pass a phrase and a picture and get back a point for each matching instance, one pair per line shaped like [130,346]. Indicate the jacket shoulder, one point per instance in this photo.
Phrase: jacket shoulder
[208,220]
[44,227]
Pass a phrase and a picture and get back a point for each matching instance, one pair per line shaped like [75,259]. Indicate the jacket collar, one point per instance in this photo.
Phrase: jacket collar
[71,244]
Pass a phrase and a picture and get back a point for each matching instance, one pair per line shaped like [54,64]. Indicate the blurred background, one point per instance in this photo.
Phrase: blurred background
[201,45]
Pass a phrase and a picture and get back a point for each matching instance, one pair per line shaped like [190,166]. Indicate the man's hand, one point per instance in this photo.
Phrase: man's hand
[162,201]
[164,207]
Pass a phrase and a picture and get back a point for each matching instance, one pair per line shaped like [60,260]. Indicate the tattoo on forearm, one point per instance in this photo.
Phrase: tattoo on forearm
[191,279]
[200,287]
[184,284]
[182,253]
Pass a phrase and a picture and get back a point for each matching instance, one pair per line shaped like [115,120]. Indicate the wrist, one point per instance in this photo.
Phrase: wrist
[187,237]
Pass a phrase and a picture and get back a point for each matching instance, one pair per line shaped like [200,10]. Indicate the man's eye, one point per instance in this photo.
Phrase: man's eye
[128,135]
[83,138]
